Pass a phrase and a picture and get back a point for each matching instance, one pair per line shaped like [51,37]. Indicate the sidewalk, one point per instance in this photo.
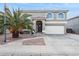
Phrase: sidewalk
[55,45]
[17,48]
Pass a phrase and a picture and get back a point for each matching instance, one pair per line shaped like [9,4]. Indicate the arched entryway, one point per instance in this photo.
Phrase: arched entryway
[39,26]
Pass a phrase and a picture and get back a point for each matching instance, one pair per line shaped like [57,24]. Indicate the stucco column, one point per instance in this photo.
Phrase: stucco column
[65,16]
[55,16]
[34,25]
[43,26]
[65,23]
[65,27]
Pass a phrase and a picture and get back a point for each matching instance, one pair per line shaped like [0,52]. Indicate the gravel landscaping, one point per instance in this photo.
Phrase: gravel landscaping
[34,41]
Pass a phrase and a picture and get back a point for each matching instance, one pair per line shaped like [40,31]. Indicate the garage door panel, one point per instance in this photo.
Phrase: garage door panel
[54,29]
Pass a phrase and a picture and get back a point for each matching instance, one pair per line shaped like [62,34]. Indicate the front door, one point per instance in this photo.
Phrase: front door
[39,26]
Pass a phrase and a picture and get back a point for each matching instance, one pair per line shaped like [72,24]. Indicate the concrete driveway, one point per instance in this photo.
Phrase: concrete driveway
[63,44]
[56,45]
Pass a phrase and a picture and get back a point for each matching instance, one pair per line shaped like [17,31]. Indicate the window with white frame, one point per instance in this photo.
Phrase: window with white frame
[49,16]
[61,15]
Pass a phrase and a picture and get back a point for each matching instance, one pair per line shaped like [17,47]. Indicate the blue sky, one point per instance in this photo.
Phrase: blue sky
[72,7]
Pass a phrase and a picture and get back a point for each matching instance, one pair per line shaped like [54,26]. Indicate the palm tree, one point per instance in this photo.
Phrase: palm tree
[1,23]
[28,23]
[16,21]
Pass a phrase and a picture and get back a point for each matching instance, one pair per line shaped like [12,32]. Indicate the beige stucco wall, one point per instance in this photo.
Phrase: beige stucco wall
[41,16]
[54,15]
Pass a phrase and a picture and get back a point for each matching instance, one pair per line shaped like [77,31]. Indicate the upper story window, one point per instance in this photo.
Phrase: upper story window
[49,15]
[61,15]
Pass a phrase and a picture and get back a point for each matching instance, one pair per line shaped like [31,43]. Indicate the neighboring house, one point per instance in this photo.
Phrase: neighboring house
[48,21]
[73,23]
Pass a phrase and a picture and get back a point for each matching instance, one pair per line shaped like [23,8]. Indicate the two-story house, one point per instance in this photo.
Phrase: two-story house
[48,21]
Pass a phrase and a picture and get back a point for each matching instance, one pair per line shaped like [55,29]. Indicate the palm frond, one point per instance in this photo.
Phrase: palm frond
[8,12]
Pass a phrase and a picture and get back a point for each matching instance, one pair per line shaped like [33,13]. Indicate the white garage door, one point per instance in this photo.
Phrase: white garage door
[54,29]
